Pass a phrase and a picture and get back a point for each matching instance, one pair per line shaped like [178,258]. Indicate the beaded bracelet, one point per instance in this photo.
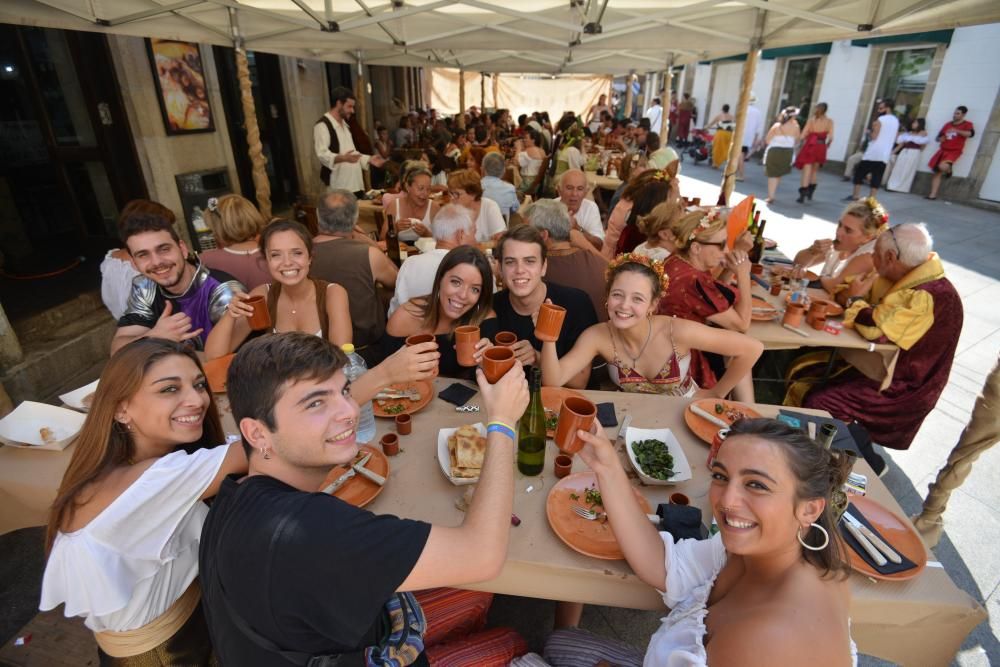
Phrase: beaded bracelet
[500,427]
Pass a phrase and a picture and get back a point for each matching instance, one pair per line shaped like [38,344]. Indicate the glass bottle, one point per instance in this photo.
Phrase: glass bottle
[531,431]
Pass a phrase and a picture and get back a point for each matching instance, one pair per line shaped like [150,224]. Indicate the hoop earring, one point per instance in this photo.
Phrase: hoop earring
[826,538]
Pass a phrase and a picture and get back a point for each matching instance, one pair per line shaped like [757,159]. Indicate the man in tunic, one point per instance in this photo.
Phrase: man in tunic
[171,297]
[952,139]
[907,301]
[342,164]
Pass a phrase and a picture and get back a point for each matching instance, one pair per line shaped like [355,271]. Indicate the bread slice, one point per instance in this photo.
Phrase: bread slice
[470,447]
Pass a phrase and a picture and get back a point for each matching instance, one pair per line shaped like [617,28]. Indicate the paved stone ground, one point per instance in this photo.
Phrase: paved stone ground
[968,240]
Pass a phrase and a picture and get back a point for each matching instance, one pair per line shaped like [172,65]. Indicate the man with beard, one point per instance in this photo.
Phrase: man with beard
[341,162]
[171,298]
[522,255]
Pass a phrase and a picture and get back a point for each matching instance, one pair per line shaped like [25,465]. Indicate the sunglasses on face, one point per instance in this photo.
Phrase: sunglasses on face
[721,245]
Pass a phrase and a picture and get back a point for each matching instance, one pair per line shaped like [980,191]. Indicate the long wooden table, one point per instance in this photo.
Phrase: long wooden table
[875,360]
[919,622]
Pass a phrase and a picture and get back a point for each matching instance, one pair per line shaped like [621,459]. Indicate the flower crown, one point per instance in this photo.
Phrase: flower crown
[653,265]
[711,215]
[877,210]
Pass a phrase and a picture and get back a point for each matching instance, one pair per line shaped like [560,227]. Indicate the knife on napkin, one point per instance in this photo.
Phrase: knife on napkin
[875,554]
[873,538]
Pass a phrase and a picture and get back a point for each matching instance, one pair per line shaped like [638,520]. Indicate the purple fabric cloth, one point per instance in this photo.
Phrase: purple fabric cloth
[894,416]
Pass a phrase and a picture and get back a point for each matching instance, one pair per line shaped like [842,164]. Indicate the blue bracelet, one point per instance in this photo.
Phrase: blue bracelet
[501,428]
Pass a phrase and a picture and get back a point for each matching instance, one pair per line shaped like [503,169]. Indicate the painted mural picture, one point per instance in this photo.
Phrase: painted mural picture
[180,82]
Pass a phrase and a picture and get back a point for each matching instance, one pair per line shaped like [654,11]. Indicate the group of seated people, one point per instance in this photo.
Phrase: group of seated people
[276,573]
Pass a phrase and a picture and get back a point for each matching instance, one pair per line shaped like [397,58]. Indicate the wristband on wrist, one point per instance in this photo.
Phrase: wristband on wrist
[500,427]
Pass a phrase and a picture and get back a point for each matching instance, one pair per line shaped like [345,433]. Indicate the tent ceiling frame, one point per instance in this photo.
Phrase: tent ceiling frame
[368,12]
[800,13]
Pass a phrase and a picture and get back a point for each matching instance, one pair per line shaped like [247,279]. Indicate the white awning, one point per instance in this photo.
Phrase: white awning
[568,36]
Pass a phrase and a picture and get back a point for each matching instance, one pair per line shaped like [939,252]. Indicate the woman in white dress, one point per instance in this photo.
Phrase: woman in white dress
[909,146]
[849,255]
[659,241]
[124,529]
[528,156]
[769,589]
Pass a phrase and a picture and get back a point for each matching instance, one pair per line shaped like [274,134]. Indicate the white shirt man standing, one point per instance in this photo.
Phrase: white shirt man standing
[584,215]
[753,130]
[655,115]
[880,145]
[341,163]
[453,227]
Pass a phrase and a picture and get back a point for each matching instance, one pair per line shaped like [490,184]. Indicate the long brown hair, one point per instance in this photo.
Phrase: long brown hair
[428,307]
[103,444]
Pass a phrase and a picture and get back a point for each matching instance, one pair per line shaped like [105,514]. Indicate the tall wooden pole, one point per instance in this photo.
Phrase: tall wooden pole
[361,95]
[496,90]
[668,82]
[461,99]
[749,71]
[261,185]
[482,92]
[629,95]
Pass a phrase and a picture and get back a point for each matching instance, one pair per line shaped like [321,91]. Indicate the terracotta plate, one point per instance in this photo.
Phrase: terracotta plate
[591,538]
[898,533]
[215,373]
[758,302]
[359,490]
[833,309]
[706,430]
[552,398]
[424,387]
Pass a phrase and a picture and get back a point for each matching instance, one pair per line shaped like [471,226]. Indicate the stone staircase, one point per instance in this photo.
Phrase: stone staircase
[64,348]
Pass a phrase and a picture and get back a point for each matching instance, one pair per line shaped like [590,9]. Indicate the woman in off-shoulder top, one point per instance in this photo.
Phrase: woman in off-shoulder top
[124,529]
[769,589]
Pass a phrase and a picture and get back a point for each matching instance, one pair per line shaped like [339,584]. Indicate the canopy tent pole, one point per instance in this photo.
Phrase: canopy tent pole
[461,99]
[261,185]
[482,92]
[361,95]
[746,85]
[496,89]
[629,95]
[668,81]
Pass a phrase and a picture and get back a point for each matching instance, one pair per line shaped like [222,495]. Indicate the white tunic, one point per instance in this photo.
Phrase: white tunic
[133,560]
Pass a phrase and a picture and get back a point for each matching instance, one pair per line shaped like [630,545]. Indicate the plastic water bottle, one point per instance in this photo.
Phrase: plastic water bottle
[355,369]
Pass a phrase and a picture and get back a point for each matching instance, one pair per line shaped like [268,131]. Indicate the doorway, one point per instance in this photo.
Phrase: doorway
[904,78]
[69,164]
[797,90]
[272,119]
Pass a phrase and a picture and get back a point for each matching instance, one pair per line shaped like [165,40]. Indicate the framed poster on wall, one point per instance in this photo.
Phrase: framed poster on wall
[180,86]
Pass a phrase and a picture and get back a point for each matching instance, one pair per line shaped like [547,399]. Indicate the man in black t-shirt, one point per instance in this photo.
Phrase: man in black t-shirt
[287,572]
[522,256]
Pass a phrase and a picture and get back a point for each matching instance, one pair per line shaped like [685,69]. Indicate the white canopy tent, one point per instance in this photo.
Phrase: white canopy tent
[550,36]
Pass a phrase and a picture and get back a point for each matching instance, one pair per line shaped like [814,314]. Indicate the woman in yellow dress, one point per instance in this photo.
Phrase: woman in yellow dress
[724,123]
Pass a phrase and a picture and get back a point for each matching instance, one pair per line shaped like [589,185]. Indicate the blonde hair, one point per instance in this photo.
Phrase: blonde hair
[466,180]
[870,212]
[696,226]
[662,215]
[234,220]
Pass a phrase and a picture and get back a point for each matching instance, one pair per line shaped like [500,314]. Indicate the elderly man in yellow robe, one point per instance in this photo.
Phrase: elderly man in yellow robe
[908,301]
